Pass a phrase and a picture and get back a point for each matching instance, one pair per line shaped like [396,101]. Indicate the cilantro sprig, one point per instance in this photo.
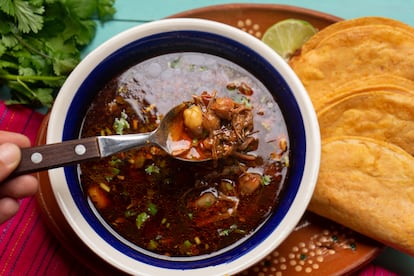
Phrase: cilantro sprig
[40,44]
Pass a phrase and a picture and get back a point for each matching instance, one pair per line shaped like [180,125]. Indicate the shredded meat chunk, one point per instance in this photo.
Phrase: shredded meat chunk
[223,127]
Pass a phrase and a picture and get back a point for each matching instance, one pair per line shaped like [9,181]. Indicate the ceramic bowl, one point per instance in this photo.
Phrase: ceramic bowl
[180,35]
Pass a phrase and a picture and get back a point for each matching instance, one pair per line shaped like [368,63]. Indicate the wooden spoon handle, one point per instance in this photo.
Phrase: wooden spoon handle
[50,156]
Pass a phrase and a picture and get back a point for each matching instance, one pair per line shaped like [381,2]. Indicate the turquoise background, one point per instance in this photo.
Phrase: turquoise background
[134,12]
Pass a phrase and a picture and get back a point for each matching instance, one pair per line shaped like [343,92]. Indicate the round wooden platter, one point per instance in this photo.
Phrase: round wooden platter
[316,247]
[255,19]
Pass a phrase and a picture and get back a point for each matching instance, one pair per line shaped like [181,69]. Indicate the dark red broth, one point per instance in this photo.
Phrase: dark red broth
[169,206]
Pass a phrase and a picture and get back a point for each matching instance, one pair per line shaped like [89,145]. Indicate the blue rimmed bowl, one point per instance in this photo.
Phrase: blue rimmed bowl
[171,36]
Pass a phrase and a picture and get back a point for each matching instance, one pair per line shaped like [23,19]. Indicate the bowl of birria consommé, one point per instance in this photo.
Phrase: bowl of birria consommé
[146,212]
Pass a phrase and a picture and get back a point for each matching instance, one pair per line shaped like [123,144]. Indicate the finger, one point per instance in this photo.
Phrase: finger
[19,187]
[8,208]
[15,138]
[9,159]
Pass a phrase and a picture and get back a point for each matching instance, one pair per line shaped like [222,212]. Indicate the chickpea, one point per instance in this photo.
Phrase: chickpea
[193,119]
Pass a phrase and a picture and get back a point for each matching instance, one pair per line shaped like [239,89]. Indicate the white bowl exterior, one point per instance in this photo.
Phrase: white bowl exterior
[105,250]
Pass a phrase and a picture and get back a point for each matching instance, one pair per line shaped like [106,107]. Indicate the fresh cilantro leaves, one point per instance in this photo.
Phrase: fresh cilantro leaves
[41,42]
[120,124]
[27,14]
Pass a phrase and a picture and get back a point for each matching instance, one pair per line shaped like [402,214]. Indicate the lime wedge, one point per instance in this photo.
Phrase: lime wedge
[287,36]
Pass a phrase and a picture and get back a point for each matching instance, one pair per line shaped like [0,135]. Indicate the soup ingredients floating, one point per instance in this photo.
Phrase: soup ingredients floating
[287,36]
[176,208]
[203,129]
[41,43]
[213,127]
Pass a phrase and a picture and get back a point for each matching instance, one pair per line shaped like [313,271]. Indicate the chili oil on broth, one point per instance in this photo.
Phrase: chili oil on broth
[168,206]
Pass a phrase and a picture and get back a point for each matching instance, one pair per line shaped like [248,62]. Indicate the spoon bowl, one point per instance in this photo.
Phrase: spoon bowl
[112,144]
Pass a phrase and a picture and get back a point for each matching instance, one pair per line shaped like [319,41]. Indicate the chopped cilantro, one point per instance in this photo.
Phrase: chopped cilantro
[244,100]
[152,169]
[112,172]
[152,208]
[226,232]
[115,171]
[174,64]
[141,219]
[223,232]
[114,162]
[187,243]
[266,179]
[120,124]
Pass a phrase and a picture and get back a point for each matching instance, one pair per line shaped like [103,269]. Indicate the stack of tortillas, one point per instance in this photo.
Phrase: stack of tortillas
[359,74]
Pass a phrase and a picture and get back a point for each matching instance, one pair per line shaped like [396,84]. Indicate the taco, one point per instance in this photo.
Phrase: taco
[383,115]
[368,186]
[355,53]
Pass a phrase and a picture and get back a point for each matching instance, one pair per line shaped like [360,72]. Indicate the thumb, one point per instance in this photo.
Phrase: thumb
[9,159]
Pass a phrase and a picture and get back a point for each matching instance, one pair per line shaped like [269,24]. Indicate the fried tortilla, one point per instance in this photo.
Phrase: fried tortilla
[359,74]
[351,23]
[381,82]
[367,185]
[355,53]
[382,115]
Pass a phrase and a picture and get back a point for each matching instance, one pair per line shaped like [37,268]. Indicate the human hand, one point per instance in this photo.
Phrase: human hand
[11,190]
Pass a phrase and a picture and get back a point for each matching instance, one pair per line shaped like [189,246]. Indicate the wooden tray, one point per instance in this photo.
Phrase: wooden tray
[317,246]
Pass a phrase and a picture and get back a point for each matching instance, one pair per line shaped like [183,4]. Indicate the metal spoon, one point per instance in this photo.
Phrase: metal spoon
[50,156]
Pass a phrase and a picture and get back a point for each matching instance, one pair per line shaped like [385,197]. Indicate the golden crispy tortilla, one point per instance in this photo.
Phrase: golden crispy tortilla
[351,23]
[355,53]
[359,74]
[380,82]
[368,186]
[383,115]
